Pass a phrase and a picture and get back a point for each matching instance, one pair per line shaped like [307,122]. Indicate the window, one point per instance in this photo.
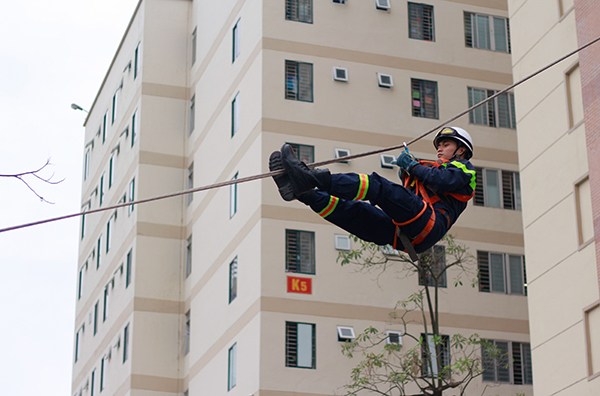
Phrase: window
[298,10]
[92,383]
[128,265]
[235,47]
[497,189]
[430,347]
[131,196]
[499,112]
[235,115]
[233,276]
[194,44]
[591,325]
[231,371]
[510,363]
[83,223]
[99,252]
[105,303]
[300,345]
[188,322]
[233,197]
[109,233]
[101,192]
[420,22]
[134,127]
[96,317]
[102,373]
[434,262]
[383,5]
[192,114]
[338,1]
[104,126]
[304,152]
[583,208]
[574,96]
[136,60]
[111,169]
[125,342]
[86,162]
[501,273]
[78,336]
[188,257]
[190,183]
[80,280]
[300,252]
[114,106]
[345,333]
[424,98]
[299,81]
[487,32]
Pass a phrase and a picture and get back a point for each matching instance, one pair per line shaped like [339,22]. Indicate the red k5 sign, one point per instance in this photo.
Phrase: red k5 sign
[299,285]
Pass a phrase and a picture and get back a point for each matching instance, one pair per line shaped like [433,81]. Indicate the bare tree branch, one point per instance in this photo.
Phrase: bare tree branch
[35,174]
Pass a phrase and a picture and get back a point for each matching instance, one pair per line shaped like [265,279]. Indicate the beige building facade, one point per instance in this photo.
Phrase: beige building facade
[233,290]
[556,120]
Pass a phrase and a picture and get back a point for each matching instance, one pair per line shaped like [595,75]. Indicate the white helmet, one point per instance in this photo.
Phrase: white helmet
[457,134]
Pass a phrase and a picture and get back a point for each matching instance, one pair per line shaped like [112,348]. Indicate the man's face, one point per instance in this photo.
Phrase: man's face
[447,148]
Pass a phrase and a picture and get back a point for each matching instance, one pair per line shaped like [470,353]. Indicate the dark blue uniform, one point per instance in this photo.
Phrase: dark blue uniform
[344,206]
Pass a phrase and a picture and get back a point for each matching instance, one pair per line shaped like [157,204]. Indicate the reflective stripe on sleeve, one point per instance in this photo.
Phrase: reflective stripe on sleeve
[363,187]
[463,168]
[333,201]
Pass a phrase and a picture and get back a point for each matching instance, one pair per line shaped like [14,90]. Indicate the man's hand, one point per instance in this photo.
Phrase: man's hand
[406,161]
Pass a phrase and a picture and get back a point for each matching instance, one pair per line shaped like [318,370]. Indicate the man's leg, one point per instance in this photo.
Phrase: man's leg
[359,218]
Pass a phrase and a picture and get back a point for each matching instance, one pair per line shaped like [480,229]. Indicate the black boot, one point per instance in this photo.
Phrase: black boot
[302,178]
[283,180]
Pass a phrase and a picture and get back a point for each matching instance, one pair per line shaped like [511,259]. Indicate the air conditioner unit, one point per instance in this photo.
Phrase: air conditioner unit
[340,74]
[393,337]
[345,333]
[386,161]
[342,242]
[383,5]
[339,153]
[385,80]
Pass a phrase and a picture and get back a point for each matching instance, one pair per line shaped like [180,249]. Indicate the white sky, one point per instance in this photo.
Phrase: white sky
[52,54]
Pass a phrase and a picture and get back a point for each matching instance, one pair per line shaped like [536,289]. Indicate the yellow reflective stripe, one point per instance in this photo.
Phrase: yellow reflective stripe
[463,167]
[333,201]
[363,187]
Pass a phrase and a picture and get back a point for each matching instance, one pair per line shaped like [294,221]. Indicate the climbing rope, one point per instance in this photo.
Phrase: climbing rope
[315,164]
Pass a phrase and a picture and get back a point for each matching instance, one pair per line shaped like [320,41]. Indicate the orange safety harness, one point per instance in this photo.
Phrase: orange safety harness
[419,189]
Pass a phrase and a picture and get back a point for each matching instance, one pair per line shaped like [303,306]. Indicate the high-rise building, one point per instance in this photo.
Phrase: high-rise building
[233,290]
[558,124]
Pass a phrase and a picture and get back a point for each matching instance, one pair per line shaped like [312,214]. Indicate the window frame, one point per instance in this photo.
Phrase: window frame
[293,12]
[235,114]
[421,9]
[471,22]
[131,193]
[509,196]
[491,115]
[128,267]
[436,252]
[101,188]
[86,162]
[99,251]
[427,342]
[187,332]
[188,257]
[125,342]
[190,183]
[232,367]
[194,44]
[233,197]
[486,273]
[105,302]
[192,114]
[292,345]
[235,45]
[134,127]
[295,88]
[508,361]
[137,60]
[420,96]
[304,152]
[233,279]
[297,267]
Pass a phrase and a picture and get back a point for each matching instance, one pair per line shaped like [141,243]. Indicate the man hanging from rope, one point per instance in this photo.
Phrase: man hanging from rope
[433,196]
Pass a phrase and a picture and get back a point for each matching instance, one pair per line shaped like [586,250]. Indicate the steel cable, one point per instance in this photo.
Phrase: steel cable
[334,160]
